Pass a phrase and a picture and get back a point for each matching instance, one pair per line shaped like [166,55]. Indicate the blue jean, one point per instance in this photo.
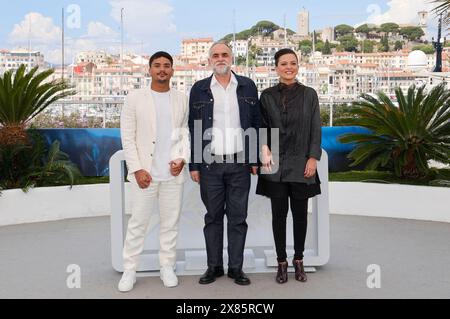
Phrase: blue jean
[224,191]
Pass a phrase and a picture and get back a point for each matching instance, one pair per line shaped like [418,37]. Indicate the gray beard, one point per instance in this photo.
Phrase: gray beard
[222,70]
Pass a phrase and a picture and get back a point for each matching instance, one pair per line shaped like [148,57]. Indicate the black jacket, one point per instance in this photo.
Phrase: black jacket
[201,108]
[295,111]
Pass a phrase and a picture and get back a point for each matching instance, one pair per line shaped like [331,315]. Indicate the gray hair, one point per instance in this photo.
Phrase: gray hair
[216,44]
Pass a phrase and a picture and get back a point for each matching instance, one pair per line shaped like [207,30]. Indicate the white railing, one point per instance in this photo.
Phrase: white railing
[107,109]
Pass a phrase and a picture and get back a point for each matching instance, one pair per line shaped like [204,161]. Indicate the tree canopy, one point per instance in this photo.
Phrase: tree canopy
[343,29]
[427,49]
[412,33]
[364,28]
[349,43]
[326,48]
[264,28]
[389,27]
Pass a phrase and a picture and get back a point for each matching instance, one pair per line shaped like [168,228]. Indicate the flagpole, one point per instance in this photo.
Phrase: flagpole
[62,44]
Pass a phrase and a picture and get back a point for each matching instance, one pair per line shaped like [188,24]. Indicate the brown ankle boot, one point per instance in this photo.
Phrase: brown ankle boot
[282,275]
[300,274]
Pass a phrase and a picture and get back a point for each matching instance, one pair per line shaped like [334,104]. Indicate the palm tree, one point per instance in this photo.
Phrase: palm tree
[443,8]
[22,97]
[406,137]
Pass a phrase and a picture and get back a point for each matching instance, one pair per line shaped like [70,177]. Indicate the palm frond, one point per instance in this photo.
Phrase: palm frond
[25,95]
[404,137]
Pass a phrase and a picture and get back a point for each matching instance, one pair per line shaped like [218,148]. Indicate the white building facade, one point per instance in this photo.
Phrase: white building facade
[195,51]
[240,48]
[11,60]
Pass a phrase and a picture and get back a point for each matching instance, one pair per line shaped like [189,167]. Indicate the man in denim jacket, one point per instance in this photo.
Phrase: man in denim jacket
[224,119]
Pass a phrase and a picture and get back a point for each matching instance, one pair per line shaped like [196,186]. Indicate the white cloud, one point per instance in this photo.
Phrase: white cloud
[144,18]
[99,37]
[399,11]
[39,28]
[46,38]
[53,56]
[99,30]
[403,12]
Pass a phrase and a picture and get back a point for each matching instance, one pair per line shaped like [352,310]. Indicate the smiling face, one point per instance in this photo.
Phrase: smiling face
[161,70]
[220,59]
[287,68]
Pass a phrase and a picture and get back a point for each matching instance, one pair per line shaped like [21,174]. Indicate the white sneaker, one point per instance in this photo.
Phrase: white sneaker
[128,280]
[168,277]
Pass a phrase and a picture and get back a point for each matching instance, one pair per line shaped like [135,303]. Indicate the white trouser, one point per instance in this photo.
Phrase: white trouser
[169,197]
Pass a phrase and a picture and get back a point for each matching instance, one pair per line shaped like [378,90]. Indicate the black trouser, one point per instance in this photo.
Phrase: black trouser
[280,208]
[224,190]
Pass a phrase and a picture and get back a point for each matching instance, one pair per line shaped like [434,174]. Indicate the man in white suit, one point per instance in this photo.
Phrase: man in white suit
[155,139]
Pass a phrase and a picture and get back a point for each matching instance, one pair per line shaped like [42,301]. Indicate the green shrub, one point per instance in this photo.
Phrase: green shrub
[406,137]
[31,164]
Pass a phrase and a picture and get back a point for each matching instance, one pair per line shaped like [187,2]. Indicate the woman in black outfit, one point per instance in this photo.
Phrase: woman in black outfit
[289,164]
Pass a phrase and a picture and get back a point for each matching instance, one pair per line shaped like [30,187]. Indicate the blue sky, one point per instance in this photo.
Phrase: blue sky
[152,25]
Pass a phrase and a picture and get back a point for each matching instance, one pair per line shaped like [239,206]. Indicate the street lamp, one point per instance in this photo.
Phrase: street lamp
[438,46]
[331,91]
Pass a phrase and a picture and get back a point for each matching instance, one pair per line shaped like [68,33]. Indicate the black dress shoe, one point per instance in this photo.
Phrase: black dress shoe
[211,274]
[239,276]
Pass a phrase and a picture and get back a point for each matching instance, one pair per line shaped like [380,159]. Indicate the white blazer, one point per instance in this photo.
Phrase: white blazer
[138,131]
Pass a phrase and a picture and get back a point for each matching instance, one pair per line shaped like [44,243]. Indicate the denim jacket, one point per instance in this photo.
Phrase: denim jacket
[201,108]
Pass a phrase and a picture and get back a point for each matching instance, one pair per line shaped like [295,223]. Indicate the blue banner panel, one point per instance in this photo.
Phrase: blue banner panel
[337,151]
[91,149]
